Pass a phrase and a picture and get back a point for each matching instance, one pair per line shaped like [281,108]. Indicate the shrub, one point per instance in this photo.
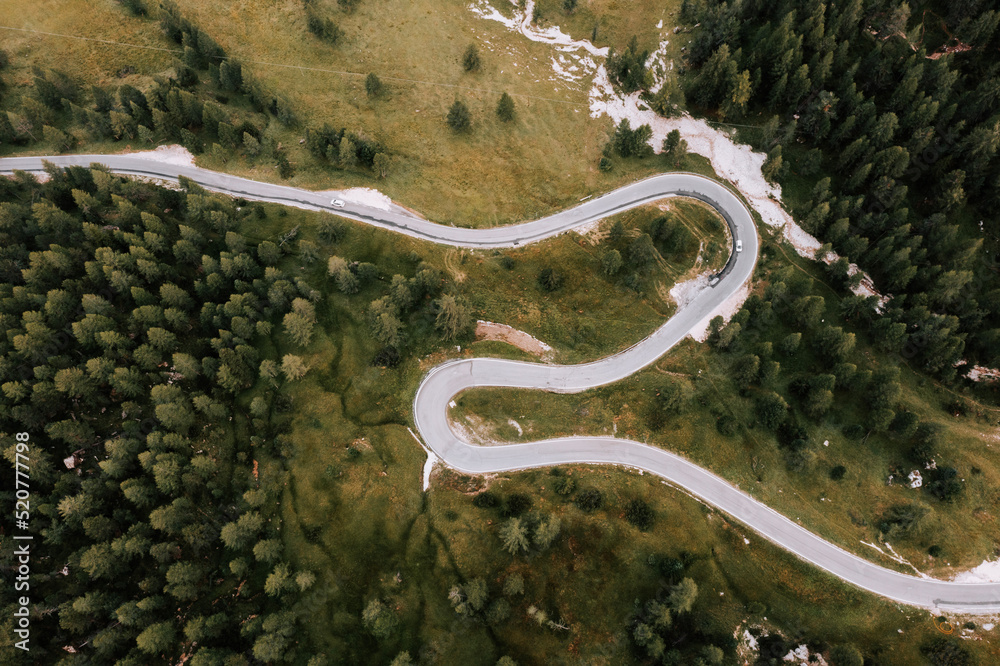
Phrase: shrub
[944,484]
[549,280]
[589,500]
[639,514]
[387,357]
[838,472]
[900,519]
[373,85]
[485,500]
[565,485]
[854,432]
[942,651]
[846,655]
[727,425]
[516,505]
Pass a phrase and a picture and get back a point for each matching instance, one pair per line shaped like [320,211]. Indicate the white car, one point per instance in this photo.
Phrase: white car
[739,246]
[337,203]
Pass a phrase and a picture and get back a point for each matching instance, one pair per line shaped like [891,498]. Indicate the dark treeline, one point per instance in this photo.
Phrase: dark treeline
[899,104]
[135,317]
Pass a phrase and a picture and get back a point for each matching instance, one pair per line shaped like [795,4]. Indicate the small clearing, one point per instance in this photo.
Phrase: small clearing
[172,154]
[488,330]
[366,196]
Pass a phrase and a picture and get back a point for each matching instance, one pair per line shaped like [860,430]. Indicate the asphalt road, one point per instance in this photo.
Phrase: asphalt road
[447,380]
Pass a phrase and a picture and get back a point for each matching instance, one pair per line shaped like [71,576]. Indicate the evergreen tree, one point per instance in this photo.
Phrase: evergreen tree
[373,86]
[505,108]
[514,536]
[470,59]
[459,119]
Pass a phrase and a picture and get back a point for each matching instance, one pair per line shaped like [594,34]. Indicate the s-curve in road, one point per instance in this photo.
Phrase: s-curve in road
[442,383]
[395,218]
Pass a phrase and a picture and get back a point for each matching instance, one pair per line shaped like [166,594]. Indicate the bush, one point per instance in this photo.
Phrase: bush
[565,485]
[516,505]
[485,500]
[373,85]
[589,500]
[727,425]
[387,357]
[934,551]
[549,280]
[323,28]
[900,519]
[800,458]
[946,652]
[771,409]
[846,655]
[854,432]
[838,472]
[944,484]
[639,514]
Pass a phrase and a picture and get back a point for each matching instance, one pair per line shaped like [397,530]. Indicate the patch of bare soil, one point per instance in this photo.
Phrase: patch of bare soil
[488,330]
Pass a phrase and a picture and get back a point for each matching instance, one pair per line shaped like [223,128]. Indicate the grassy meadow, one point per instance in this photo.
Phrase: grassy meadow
[845,511]
[494,173]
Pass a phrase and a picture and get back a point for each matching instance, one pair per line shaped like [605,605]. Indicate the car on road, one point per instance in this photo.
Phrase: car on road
[739,246]
[337,203]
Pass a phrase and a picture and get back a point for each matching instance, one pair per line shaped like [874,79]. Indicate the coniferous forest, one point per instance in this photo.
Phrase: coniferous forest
[136,312]
[886,117]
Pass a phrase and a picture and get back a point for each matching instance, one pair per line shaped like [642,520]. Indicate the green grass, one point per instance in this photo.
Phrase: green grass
[615,27]
[846,511]
[90,61]
[360,521]
[370,523]
[496,173]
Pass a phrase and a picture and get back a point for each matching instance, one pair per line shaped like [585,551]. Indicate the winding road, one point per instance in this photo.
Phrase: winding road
[442,383]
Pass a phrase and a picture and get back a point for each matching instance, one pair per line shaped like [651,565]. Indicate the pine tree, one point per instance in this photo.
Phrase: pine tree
[348,153]
[230,75]
[250,144]
[458,117]
[470,59]
[373,86]
[7,134]
[505,108]
[682,596]
[546,532]
[514,535]
[452,316]
[611,262]
[772,167]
